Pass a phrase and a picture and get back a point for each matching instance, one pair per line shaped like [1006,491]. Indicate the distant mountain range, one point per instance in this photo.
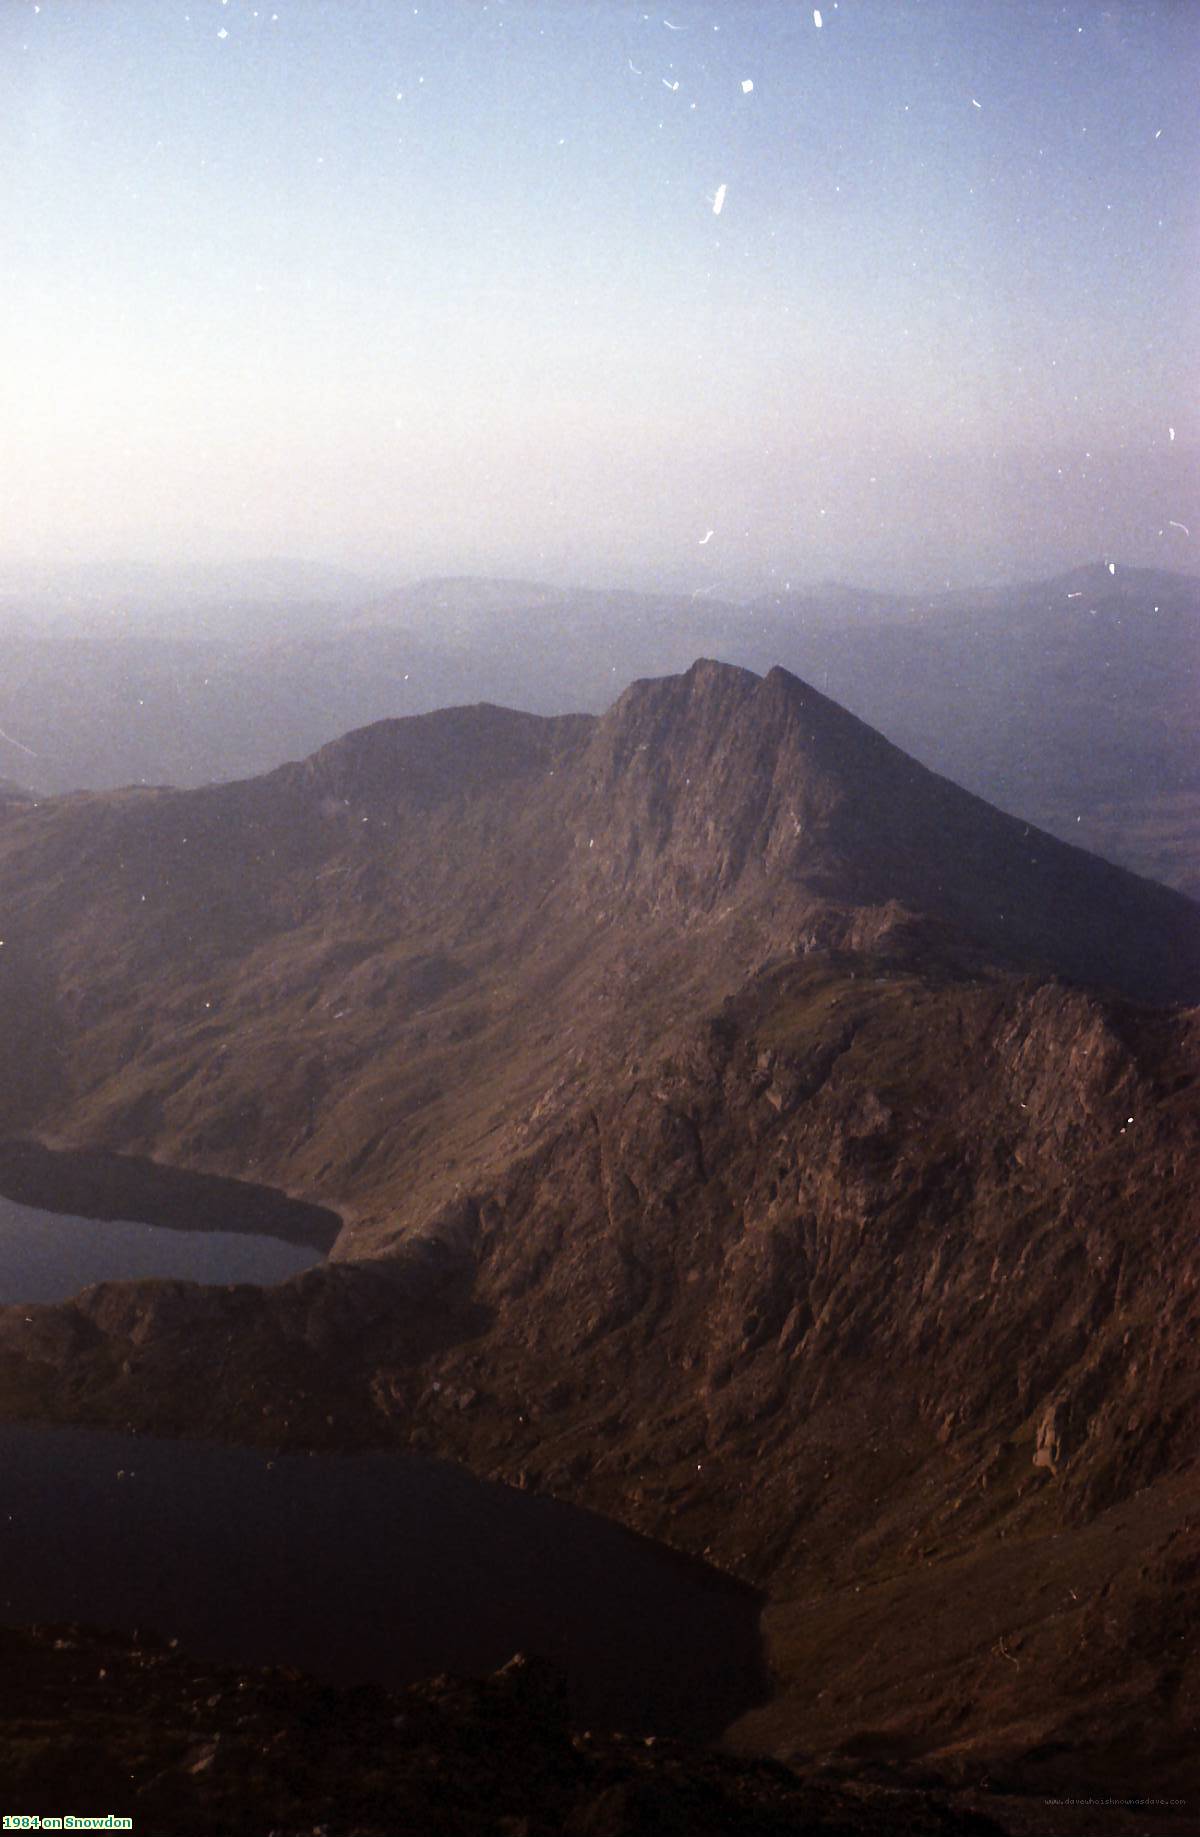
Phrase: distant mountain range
[125,591]
[1071,702]
[737,1127]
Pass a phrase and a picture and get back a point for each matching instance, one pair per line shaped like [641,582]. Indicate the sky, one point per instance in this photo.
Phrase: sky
[899,292]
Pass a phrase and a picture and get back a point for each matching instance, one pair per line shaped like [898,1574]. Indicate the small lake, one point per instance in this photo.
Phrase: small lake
[50,1256]
[69,1218]
[368,1567]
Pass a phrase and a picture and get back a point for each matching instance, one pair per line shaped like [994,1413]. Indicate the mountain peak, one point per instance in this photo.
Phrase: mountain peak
[712,669]
[721,785]
[706,677]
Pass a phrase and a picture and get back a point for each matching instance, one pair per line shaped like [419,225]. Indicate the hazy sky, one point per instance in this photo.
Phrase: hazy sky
[442,286]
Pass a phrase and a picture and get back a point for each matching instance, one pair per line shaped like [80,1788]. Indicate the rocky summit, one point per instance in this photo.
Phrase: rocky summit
[735,1127]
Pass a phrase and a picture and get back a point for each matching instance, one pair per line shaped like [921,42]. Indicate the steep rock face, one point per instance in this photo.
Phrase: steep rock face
[696,785]
[720,782]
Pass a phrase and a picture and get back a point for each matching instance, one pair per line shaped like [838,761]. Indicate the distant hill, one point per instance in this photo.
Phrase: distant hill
[77,585]
[189,600]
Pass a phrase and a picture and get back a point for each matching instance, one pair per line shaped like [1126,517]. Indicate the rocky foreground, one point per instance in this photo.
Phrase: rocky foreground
[92,1724]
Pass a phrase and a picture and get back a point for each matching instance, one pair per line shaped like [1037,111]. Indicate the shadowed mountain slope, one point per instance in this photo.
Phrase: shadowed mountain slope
[728,782]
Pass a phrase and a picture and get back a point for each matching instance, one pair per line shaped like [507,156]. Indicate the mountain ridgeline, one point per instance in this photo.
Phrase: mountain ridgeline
[1071,701]
[735,1127]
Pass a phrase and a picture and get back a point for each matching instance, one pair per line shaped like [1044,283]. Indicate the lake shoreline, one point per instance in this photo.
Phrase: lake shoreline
[96,1183]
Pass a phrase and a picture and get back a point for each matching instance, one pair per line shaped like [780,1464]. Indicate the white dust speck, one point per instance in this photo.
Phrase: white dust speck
[818,21]
[719,200]
[671,28]
[747,85]
[704,539]
[222,33]
[1171,433]
[1112,567]
[1158,136]
[975,104]
[1182,526]
[671,86]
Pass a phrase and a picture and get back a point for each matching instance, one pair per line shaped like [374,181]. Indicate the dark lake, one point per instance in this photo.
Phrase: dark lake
[69,1218]
[367,1567]
[50,1256]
